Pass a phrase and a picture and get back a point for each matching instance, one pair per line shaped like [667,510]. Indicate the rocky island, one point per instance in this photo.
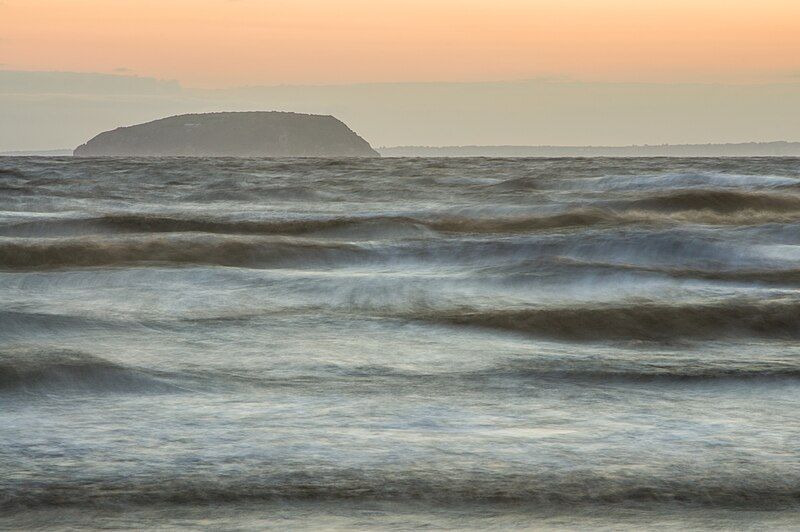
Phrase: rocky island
[232,134]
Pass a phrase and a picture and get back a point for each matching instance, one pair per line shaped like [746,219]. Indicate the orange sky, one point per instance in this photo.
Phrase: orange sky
[222,43]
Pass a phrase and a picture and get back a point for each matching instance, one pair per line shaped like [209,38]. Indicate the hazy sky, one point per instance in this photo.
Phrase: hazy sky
[225,43]
[435,72]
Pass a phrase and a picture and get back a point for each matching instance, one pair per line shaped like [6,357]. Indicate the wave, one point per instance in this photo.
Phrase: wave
[21,323]
[564,267]
[712,209]
[643,372]
[671,251]
[56,371]
[520,376]
[11,189]
[11,182]
[12,172]
[225,191]
[344,226]
[647,321]
[607,370]
[747,489]
[779,276]
[719,201]
[684,180]
[198,249]
[142,223]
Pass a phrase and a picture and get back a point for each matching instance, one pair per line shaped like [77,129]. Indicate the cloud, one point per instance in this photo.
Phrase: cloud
[123,70]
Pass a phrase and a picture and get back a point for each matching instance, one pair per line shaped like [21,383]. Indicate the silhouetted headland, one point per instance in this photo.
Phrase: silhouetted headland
[232,134]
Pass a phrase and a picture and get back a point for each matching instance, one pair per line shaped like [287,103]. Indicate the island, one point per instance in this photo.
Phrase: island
[231,134]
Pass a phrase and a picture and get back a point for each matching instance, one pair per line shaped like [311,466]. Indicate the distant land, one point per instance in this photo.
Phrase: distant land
[232,134]
[36,153]
[745,149]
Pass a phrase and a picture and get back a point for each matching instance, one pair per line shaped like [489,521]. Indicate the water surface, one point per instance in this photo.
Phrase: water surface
[399,343]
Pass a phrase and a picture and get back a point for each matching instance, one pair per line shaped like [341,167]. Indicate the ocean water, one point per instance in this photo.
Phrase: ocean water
[241,344]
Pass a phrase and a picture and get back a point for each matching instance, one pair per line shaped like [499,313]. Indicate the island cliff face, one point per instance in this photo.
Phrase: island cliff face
[242,134]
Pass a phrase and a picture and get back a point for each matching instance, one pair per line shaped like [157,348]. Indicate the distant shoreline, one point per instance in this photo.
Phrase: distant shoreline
[37,153]
[744,149]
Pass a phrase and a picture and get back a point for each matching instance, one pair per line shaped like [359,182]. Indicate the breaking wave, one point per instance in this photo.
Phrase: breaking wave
[686,180]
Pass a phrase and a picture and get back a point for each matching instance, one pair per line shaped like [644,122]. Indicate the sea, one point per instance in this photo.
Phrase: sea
[399,343]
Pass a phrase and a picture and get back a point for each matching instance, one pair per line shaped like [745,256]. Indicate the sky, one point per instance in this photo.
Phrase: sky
[422,72]
[225,43]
